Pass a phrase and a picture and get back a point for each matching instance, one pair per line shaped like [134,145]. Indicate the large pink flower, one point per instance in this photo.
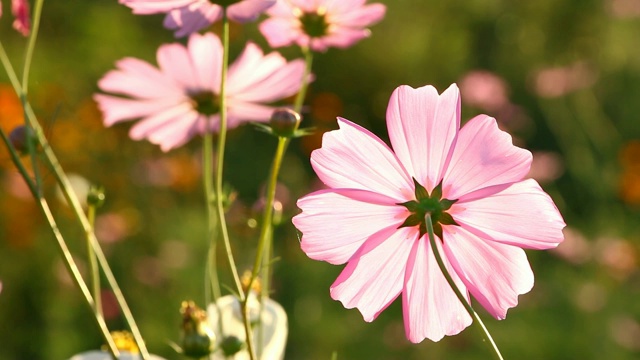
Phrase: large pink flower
[372,216]
[176,100]
[189,16]
[320,24]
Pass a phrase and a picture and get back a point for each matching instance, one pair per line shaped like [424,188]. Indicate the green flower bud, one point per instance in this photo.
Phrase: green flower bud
[198,338]
[96,196]
[231,345]
[284,122]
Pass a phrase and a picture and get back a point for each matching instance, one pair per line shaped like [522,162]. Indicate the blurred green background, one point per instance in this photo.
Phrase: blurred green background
[562,76]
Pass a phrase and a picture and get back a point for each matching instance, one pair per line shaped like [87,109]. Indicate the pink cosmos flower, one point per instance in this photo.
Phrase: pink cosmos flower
[320,24]
[372,216]
[189,16]
[176,100]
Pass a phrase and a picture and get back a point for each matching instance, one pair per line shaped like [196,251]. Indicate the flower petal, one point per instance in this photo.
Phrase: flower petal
[279,31]
[144,7]
[483,156]
[137,78]
[422,128]
[373,277]
[361,16]
[494,273]
[248,10]
[147,126]
[190,19]
[520,214]
[430,307]
[116,109]
[335,223]
[352,157]
[340,37]
[205,53]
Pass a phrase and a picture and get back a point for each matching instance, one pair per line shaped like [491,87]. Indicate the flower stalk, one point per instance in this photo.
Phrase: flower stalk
[467,306]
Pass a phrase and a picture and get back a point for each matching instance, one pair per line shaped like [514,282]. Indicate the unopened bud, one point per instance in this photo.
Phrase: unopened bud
[20,137]
[284,122]
[96,196]
[198,339]
[231,345]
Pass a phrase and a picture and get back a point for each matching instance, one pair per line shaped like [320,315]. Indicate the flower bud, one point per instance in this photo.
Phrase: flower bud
[231,345]
[198,338]
[20,137]
[284,122]
[96,196]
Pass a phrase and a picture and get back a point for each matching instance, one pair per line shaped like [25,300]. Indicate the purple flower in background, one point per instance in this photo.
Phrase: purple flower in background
[320,24]
[178,99]
[189,16]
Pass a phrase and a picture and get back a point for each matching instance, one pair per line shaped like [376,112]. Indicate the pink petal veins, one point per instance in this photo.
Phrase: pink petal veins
[422,128]
[483,156]
[373,277]
[352,157]
[430,307]
[494,273]
[521,214]
[335,223]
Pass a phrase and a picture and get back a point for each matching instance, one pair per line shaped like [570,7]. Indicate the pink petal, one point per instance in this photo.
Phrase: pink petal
[248,10]
[422,128]
[147,126]
[280,83]
[190,19]
[356,17]
[341,37]
[354,158]
[175,133]
[252,61]
[335,223]
[373,277]
[483,156]
[137,78]
[116,109]
[174,61]
[279,32]
[241,111]
[494,273]
[430,307]
[205,52]
[144,7]
[520,214]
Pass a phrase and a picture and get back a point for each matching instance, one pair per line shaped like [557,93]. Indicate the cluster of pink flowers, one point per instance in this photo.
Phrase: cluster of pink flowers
[21,13]
[470,180]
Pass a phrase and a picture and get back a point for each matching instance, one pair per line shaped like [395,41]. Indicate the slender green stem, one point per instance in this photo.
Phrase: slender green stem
[308,60]
[72,200]
[72,268]
[211,274]
[463,300]
[222,138]
[93,263]
[37,14]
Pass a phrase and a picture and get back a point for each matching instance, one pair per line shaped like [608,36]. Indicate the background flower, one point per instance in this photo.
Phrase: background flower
[177,100]
[189,16]
[469,179]
[320,24]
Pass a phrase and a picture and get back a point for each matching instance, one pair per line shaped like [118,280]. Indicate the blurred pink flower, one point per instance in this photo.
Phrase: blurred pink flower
[560,81]
[485,90]
[320,24]
[546,166]
[189,16]
[372,215]
[21,13]
[176,100]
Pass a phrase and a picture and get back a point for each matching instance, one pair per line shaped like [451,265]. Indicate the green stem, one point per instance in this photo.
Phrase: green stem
[37,13]
[72,200]
[93,264]
[70,264]
[222,138]
[463,300]
[308,60]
